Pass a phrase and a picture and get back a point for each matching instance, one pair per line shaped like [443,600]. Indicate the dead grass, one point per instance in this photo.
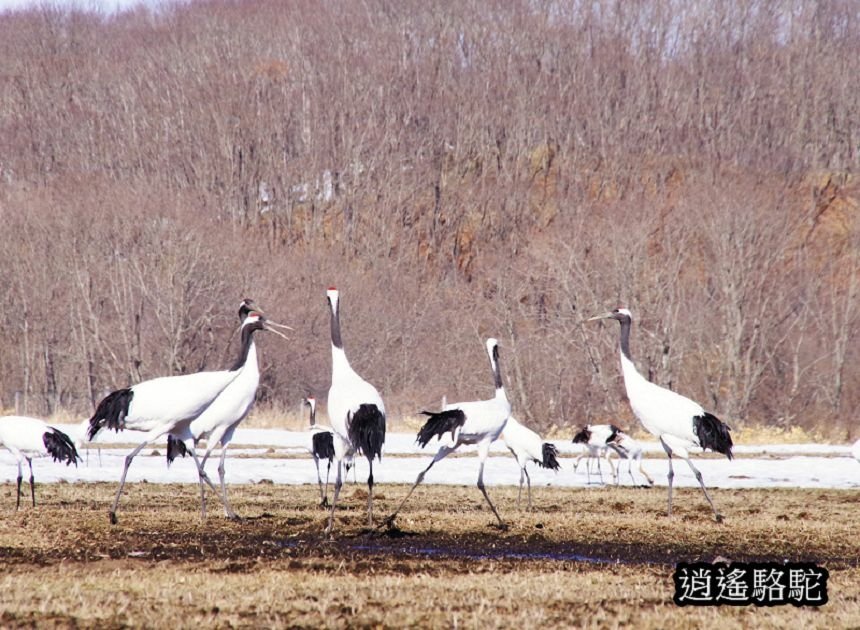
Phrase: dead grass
[592,557]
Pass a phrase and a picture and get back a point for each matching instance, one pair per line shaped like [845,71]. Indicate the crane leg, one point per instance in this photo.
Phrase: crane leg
[319,480]
[325,493]
[201,477]
[228,509]
[607,455]
[337,484]
[522,481]
[32,481]
[370,494]
[599,470]
[529,482]
[128,460]
[20,479]
[440,455]
[645,474]
[671,474]
[717,516]
[482,453]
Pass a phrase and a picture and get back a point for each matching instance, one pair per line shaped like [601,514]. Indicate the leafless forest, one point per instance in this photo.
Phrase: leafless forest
[458,170]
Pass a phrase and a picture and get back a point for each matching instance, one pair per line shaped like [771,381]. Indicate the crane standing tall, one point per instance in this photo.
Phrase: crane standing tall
[678,422]
[356,413]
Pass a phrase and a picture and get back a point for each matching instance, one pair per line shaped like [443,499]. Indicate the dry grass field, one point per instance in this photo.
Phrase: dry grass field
[600,557]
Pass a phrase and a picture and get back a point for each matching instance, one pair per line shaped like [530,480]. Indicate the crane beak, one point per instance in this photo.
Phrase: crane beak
[599,317]
[271,323]
[276,331]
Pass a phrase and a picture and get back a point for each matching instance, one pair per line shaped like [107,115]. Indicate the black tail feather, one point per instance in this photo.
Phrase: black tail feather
[550,452]
[111,412]
[60,447]
[440,423]
[713,433]
[175,448]
[366,429]
[583,436]
[323,445]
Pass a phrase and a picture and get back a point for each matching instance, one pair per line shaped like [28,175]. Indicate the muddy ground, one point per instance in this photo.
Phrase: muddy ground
[596,557]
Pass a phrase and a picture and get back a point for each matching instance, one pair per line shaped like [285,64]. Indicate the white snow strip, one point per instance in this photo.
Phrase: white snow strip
[781,466]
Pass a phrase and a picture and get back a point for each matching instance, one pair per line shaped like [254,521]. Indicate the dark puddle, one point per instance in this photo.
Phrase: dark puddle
[450,552]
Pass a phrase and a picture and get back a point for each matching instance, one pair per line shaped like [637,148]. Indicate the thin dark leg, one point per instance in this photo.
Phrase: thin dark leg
[319,479]
[32,482]
[18,496]
[671,474]
[486,496]
[717,516]
[337,485]
[522,481]
[440,455]
[529,482]
[370,494]
[327,475]
[200,475]
[128,460]
[228,509]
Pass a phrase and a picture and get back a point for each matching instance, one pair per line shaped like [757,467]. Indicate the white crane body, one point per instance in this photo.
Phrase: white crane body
[356,413]
[526,446]
[678,422]
[473,422]
[26,438]
[168,405]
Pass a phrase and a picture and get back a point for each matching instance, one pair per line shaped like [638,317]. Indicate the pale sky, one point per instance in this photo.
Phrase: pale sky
[103,6]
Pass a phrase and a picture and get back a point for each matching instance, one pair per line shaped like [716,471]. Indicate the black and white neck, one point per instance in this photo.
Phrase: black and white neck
[311,402]
[626,322]
[339,360]
[493,352]
[248,350]
[628,368]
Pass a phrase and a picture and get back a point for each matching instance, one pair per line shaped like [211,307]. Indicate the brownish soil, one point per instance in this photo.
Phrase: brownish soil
[600,557]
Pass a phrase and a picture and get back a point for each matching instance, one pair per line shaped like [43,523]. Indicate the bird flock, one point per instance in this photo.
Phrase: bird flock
[208,406]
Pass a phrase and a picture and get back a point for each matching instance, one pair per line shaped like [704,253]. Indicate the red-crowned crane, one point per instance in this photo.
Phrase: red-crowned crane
[595,438]
[631,450]
[219,421]
[167,405]
[355,410]
[27,438]
[678,422]
[478,422]
[526,446]
[322,447]
[855,450]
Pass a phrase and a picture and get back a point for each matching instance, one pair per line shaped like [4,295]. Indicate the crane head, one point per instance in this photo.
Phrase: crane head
[619,314]
[246,306]
[332,295]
